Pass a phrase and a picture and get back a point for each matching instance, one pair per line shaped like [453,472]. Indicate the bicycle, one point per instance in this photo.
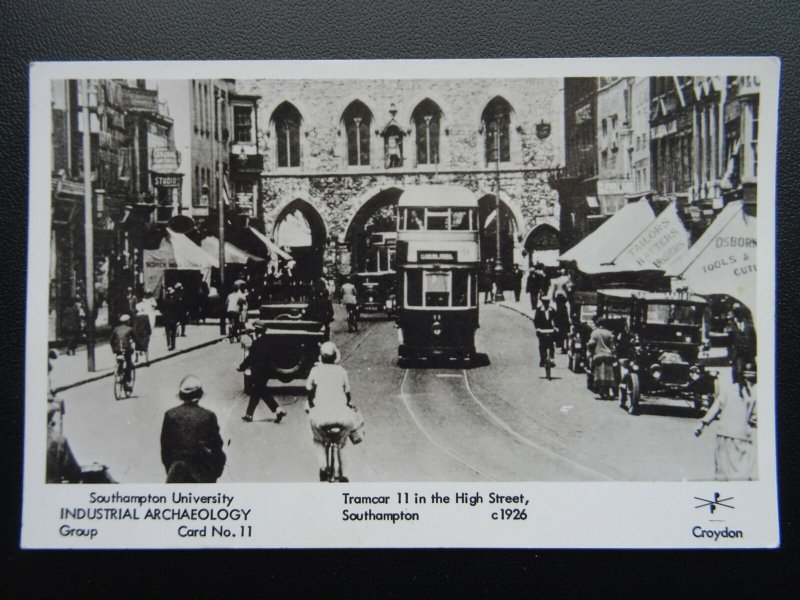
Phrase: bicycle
[547,342]
[123,385]
[334,435]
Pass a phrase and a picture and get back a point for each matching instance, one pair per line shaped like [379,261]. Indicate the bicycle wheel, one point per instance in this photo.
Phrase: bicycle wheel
[129,389]
[330,454]
[119,390]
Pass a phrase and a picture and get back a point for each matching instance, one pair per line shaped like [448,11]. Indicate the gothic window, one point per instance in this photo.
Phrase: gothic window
[427,118]
[287,121]
[496,119]
[357,119]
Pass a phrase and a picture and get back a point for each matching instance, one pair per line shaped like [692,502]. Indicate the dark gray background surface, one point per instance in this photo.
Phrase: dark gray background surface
[39,30]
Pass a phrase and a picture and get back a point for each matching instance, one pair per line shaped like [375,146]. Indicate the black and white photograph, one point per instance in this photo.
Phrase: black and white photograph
[491,276]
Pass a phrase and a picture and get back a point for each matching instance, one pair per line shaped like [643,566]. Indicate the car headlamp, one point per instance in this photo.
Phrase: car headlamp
[694,373]
[655,371]
[436,328]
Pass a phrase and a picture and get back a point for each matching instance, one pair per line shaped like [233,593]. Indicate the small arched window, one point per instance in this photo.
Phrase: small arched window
[287,121]
[496,118]
[427,118]
[357,119]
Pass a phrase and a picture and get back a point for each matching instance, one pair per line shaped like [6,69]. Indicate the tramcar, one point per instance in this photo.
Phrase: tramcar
[438,261]
[376,283]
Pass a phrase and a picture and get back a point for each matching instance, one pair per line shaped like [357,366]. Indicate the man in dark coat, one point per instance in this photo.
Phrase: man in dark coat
[516,282]
[532,288]
[169,315]
[71,323]
[258,361]
[191,446]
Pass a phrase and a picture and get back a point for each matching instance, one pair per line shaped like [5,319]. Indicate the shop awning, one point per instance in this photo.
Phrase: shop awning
[606,242]
[189,255]
[660,243]
[233,254]
[723,260]
[175,252]
[272,247]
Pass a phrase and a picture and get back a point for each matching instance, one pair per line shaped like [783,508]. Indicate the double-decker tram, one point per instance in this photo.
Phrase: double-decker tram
[376,282]
[438,259]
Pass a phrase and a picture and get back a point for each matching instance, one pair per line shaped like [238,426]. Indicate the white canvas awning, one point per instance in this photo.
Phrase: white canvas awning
[272,247]
[175,252]
[723,260]
[661,242]
[606,242]
[233,254]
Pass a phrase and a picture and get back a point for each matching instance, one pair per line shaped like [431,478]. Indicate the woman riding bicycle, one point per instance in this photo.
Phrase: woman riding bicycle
[329,405]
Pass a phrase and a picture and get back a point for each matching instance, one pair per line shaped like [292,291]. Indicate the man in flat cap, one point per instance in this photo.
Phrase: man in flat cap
[191,446]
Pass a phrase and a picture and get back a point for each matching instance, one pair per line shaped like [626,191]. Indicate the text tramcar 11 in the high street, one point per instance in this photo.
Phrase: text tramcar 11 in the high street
[438,260]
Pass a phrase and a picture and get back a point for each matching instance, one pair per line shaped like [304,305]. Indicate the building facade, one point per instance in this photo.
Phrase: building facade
[336,155]
[577,182]
[689,139]
[704,143]
[130,134]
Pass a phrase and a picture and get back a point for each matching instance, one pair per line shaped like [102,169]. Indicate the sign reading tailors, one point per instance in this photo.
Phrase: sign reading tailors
[660,243]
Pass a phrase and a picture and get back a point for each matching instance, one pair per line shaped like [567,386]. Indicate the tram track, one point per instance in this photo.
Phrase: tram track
[502,424]
[496,421]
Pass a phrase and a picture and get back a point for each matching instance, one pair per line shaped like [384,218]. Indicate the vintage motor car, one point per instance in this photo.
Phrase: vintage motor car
[584,308]
[661,336]
[376,292]
[295,338]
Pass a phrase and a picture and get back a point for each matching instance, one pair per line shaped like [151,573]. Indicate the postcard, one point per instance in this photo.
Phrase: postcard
[402,303]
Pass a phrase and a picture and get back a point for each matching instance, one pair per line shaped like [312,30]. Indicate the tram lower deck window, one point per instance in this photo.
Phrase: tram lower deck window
[460,288]
[414,288]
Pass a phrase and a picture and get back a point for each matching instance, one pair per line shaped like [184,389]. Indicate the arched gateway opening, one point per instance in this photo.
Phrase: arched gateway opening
[300,229]
[487,211]
[541,245]
[370,233]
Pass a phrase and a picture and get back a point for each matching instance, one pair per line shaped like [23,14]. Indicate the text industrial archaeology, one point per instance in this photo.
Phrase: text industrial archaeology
[157,514]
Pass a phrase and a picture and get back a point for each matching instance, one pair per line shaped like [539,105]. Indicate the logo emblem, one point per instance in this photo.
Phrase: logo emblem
[717,502]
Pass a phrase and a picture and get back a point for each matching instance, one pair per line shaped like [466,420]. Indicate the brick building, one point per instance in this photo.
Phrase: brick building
[336,155]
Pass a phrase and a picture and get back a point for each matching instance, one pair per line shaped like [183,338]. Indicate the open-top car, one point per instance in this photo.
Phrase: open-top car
[661,335]
[584,308]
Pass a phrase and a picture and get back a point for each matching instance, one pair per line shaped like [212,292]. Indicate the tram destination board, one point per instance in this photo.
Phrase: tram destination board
[472,293]
[436,256]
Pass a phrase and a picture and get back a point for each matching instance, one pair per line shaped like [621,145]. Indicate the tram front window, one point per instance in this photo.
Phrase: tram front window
[437,289]
[460,220]
[414,220]
[438,221]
